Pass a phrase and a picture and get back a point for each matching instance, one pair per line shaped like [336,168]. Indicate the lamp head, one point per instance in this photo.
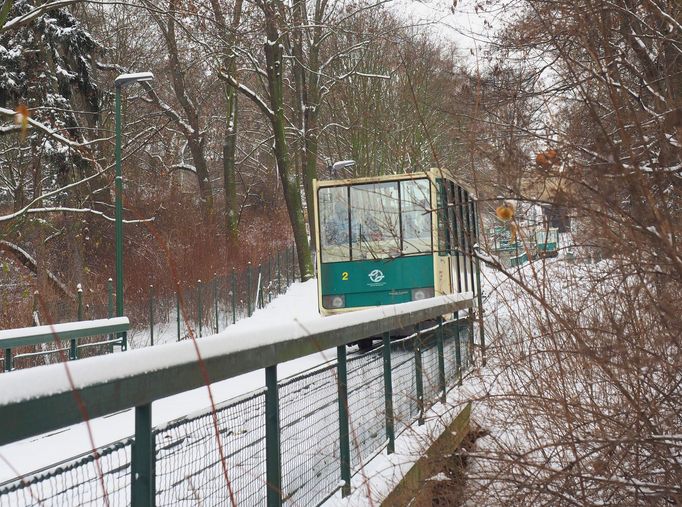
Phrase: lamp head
[124,79]
[342,164]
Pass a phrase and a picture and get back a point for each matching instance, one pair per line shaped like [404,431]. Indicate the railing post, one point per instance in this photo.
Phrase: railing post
[199,306]
[481,329]
[344,427]
[110,308]
[419,380]
[261,302]
[441,360]
[286,265]
[151,314]
[110,298]
[279,275]
[177,306]
[471,358]
[73,348]
[269,279]
[8,359]
[469,216]
[248,289]
[458,351]
[142,460]
[388,394]
[272,439]
[79,293]
[215,301]
[234,296]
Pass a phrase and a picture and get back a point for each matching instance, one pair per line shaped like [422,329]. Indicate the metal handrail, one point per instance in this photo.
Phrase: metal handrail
[154,373]
[11,338]
[68,332]
[39,400]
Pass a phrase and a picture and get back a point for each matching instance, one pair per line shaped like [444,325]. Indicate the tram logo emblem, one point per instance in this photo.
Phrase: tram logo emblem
[376,275]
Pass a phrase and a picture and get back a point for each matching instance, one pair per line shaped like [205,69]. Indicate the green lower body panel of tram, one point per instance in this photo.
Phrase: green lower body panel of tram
[376,282]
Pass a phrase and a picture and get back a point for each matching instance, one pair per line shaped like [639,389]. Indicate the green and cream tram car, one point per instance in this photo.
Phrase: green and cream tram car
[393,239]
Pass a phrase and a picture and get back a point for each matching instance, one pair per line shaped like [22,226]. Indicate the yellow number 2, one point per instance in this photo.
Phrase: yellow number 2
[344,275]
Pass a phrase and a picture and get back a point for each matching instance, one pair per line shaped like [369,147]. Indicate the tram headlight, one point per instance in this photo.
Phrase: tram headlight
[423,293]
[334,302]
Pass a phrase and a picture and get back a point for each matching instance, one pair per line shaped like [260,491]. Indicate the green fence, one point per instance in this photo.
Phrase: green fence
[209,307]
[65,339]
[293,442]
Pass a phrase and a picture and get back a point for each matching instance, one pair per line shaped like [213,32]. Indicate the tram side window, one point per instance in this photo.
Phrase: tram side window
[468,220]
[452,219]
[375,221]
[333,202]
[415,203]
[443,220]
[460,219]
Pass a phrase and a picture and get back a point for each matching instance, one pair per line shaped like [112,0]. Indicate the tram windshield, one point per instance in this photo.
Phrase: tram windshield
[375,220]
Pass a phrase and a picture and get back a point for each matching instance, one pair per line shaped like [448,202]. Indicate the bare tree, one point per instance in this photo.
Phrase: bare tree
[583,397]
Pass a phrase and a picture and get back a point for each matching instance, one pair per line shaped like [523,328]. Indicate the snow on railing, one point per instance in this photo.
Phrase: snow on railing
[42,399]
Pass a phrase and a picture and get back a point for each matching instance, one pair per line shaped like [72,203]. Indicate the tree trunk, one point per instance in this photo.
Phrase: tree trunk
[194,137]
[290,184]
[310,163]
[229,176]
[306,81]
[203,179]
[41,254]
[231,213]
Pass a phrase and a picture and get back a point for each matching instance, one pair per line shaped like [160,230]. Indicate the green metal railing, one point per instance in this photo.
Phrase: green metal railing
[295,442]
[63,338]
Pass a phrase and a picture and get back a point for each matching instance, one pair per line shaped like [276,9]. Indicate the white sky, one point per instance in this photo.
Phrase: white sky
[469,28]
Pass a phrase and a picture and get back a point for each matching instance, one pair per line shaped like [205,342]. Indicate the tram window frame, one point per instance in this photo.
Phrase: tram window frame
[423,218]
[374,242]
[343,218]
[452,219]
[401,221]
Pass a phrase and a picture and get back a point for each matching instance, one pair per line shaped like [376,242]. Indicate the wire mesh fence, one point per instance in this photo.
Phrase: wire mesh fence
[190,470]
[207,307]
[189,467]
[309,416]
[430,371]
[366,406]
[405,405]
[450,356]
[94,479]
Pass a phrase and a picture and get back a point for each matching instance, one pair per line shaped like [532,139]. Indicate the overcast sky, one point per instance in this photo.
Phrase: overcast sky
[460,23]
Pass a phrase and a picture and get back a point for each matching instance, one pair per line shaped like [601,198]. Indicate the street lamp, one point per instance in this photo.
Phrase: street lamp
[119,82]
[339,166]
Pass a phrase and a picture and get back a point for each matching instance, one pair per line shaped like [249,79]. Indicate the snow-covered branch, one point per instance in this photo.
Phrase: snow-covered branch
[56,191]
[45,129]
[27,260]
[61,209]
[24,19]
[248,92]
[183,167]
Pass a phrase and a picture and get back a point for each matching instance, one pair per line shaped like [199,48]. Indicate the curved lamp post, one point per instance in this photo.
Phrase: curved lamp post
[119,82]
[336,167]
